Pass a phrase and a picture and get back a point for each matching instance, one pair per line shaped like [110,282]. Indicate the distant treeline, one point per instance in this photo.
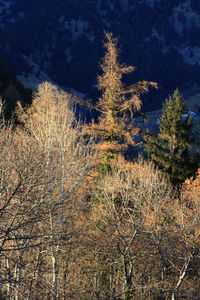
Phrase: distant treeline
[12,90]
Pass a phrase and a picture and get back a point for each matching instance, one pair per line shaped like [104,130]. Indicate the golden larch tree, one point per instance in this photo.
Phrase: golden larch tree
[118,104]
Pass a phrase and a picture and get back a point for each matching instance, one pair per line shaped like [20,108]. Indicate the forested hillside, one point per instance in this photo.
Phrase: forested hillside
[79,218]
[67,230]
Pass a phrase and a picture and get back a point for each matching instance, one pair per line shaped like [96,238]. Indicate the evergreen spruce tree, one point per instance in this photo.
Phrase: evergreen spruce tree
[170,149]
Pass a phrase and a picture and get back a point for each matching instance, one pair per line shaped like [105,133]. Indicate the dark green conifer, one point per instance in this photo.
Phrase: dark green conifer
[170,149]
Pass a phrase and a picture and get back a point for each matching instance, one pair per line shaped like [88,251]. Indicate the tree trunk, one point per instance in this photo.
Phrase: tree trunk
[54,258]
[181,277]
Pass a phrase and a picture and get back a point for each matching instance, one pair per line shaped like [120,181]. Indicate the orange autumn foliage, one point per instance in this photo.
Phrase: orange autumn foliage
[191,187]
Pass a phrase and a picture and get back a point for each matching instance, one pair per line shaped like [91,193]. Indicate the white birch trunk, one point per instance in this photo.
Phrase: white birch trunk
[54,259]
[181,277]
[8,285]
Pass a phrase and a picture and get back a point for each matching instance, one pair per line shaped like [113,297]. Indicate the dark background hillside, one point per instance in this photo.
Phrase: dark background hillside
[12,90]
[62,40]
